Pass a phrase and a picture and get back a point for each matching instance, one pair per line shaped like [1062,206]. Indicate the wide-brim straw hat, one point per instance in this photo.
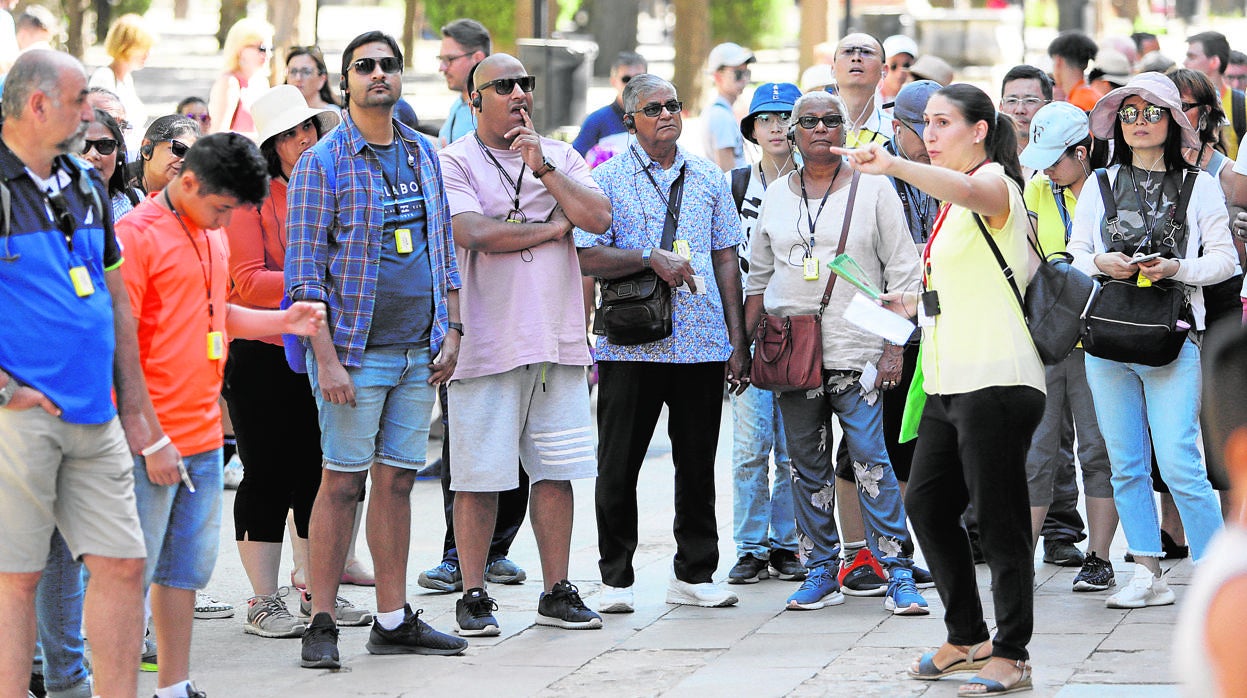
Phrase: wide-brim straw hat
[282,108]
[1156,89]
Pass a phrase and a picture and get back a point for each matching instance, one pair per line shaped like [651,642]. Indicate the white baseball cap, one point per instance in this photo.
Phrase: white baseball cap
[899,43]
[728,54]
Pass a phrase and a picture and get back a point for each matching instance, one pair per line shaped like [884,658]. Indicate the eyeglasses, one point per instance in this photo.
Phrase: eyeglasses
[263,48]
[739,74]
[863,51]
[653,109]
[389,65]
[626,79]
[302,72]
[773,118]
[1151,113]
[103,146]
[505,86]
[828,120]
[1028,102]
[447,60]
[178,148]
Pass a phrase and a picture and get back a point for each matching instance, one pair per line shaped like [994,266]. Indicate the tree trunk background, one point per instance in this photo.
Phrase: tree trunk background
[231,11]
[413,19]
[75,29]
[692,29]
[284,16]
[813,31]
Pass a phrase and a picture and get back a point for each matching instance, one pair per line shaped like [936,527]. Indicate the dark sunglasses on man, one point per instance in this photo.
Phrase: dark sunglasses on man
[389,65]
[505,86]
[653,109]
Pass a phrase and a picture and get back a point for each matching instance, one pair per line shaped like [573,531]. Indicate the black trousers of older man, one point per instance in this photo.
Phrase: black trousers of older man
[630,396]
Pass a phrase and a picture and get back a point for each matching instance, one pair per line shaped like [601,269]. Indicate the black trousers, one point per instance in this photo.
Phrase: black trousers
[972,448]
[278,432]
[630,396]
[512,504]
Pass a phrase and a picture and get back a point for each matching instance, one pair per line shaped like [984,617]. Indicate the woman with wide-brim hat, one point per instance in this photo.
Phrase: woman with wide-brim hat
[272,407]
[1148,130]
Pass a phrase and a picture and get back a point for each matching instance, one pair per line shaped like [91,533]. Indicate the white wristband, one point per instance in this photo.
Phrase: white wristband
[160,443]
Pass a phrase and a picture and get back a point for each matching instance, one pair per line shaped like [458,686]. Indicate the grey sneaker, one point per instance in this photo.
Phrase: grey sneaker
[347,613]
[267,616]
[503,571]
[413,636]
[444,577]
[561,607]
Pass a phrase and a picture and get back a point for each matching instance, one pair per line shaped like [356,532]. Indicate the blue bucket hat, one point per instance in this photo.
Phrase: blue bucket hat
[769,97]
[911,102]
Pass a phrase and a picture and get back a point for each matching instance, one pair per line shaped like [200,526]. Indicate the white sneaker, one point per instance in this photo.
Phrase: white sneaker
[233,473]
[615,599]
[708,594]
[1144,589]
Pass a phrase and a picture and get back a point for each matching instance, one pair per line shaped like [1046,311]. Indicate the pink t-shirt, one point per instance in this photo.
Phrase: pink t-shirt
[517,307]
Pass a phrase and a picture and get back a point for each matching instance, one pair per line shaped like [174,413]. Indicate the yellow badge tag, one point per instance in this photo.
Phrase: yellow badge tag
[1143,281]
[216,346]
[810,266]
[81,279]
[682,248]
[402,241]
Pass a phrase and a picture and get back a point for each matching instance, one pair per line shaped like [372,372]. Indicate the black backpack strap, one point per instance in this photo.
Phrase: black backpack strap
[740,184]
[1177,214]
[1111,234]
[1238,113]
[1000,259]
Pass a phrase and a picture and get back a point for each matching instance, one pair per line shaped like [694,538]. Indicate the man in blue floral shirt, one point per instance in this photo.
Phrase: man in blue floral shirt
[686,370]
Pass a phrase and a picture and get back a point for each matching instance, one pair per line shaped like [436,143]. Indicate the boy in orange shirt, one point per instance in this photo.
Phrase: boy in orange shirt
[176,274]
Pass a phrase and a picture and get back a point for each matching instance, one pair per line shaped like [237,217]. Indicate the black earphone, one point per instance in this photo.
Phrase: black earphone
[146,150]
[476,101]
[473,95]
[792,135]
[629,122]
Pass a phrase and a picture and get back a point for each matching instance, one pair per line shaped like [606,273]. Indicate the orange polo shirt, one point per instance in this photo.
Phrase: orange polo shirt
[1082,96]
[177,280]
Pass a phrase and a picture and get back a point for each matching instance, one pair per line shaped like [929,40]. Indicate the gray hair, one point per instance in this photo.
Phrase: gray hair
[819,96]
[641,85]
[35,71]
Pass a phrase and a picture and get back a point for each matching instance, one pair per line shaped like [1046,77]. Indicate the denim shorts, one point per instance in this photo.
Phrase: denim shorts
[182,529]
[390,421]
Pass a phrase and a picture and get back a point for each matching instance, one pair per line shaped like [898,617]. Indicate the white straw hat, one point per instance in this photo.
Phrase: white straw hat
[282,108]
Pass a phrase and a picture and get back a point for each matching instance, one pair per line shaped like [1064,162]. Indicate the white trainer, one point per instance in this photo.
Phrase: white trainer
[1144,589]
[707,594]
[616,599]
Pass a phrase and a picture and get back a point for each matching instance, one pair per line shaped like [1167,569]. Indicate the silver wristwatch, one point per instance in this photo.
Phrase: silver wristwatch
[8,391]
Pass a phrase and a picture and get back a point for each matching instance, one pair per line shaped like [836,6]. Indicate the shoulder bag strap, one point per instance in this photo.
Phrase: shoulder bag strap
[1110,207]
[1177,214]
[740,185]
[1000,259]
[1238,113]
[844,237]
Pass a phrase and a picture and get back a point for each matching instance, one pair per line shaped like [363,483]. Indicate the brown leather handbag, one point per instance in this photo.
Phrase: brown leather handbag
[788,351]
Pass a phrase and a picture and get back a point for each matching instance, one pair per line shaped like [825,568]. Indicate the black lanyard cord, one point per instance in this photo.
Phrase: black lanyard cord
[515,183]
[673,212]
[806,198]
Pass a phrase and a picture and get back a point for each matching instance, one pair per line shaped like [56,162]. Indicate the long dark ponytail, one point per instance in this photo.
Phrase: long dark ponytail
[1002,140]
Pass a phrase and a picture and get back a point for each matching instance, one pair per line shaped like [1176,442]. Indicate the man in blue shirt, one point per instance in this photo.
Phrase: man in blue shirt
[686,370]
[465,42]
[729,68]
[602,135]
[68,340]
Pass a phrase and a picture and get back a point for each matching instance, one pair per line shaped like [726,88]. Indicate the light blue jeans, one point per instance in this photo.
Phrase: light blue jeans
[1130,401]
[182,528]
[761,504]
[807,426]
[58,610]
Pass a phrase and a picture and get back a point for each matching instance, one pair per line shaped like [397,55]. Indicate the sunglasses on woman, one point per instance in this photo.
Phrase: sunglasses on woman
[1151,114]
[505,86]
[653,109]
[178,148]
[389,64]
[103,146]
[829,120]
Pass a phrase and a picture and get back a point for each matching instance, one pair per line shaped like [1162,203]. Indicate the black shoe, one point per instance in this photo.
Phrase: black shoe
[37,688]
[412,636]
[1095,575]
[747,570]
[785,565]
[1061,553]
[1170,548]
[474,614]
[561,607]
[320,643]
[922,578]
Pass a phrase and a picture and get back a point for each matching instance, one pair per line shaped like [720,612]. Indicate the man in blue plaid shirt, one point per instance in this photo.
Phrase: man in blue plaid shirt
[370,237]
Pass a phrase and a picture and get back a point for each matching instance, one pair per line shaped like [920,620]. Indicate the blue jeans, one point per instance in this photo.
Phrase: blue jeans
[761,507]
[58,610]
[181,528]
[1130,401]
[807,426]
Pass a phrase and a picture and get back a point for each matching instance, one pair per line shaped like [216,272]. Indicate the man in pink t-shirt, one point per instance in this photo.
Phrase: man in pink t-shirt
[519,390]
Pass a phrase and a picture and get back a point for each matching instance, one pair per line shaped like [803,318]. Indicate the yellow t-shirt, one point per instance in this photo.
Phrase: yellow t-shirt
[979,339]
[1038,197]
[1230,137]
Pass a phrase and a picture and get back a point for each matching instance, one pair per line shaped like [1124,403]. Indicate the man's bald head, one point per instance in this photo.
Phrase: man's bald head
[36,71]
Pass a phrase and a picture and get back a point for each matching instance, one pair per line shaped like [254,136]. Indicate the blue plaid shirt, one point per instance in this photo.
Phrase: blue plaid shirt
[334,237]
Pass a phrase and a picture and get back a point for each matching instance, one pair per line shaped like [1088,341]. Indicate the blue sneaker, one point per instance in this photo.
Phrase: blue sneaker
[903,598]
[444,577]
[503,571]
[818,590]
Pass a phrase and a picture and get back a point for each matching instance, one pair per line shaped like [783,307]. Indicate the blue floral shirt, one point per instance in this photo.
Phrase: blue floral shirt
[707,220]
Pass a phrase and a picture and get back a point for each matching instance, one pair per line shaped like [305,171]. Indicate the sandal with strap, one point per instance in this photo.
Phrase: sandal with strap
[928,671]
[979,686]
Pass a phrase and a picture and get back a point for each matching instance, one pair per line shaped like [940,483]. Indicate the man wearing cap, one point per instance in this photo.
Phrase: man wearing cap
[859,67]
[1060,148]
[729,68]
[901,52]
[1209,53]
[929,67]
[684,371]
[763,524]
[1023,91]
[602,134]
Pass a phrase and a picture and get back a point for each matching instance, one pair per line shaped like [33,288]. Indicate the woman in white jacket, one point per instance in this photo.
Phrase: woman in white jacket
[1145,122]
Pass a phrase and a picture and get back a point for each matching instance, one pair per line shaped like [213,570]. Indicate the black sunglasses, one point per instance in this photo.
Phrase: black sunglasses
[103,146]
[653,109]
[829,120]
[178,148]
[505,86]
[366,66]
